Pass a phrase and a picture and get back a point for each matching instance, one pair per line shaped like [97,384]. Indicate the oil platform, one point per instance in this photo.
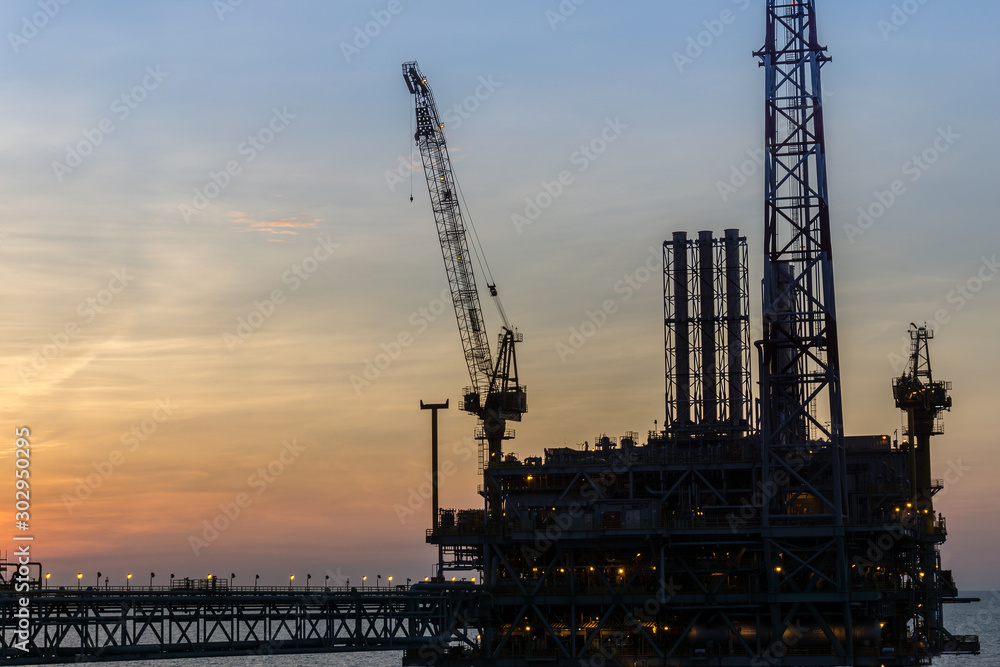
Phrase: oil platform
[749,531]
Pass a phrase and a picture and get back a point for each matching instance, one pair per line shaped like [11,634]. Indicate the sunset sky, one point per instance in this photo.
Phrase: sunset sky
[208,240]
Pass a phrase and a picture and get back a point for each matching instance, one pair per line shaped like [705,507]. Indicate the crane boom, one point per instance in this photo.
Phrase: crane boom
[496,394]
[451,230]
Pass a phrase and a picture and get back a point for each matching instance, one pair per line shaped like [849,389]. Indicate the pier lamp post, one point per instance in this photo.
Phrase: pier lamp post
[232,579]
[47,575]
[390,581]
[128,579]
[363,580]
[106,579]
[79,576]
[326,582]
[255,579]
[151,576]
[291,578]
[378,581]
[308,577]
[98,580]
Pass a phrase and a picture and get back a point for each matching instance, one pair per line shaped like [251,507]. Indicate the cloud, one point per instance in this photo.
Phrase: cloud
[247,222]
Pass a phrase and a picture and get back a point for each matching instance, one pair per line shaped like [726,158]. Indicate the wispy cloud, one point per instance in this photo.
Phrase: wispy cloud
[248,222]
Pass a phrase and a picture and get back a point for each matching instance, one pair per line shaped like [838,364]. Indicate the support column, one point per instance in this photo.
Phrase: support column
[434,407]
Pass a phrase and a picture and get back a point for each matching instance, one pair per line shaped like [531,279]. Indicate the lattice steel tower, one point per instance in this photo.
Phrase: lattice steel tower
[804,508]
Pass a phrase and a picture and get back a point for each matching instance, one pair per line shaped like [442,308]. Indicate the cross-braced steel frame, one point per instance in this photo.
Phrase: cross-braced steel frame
[73,626]
[707,332]
[801,417]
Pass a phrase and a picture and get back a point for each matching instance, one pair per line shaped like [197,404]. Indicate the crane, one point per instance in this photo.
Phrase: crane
[495,395]
[922,399]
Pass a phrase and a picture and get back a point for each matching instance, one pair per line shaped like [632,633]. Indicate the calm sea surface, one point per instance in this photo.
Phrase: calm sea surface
[981,618]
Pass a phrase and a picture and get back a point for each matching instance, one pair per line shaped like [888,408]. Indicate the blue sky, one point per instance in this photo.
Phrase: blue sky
[318,216]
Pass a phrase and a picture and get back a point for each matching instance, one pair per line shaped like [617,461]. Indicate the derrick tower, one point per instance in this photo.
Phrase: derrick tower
[802,439]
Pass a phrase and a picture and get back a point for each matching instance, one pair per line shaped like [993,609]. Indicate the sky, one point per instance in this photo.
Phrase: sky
[222,308]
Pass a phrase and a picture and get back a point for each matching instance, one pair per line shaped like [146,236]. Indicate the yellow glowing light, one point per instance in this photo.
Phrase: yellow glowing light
[129,576]
[621,571]
[79,575]
[531,477]
[777,569]
[427,578]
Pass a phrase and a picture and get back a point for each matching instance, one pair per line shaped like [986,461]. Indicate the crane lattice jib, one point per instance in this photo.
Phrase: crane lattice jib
[800,374]
[444,196]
